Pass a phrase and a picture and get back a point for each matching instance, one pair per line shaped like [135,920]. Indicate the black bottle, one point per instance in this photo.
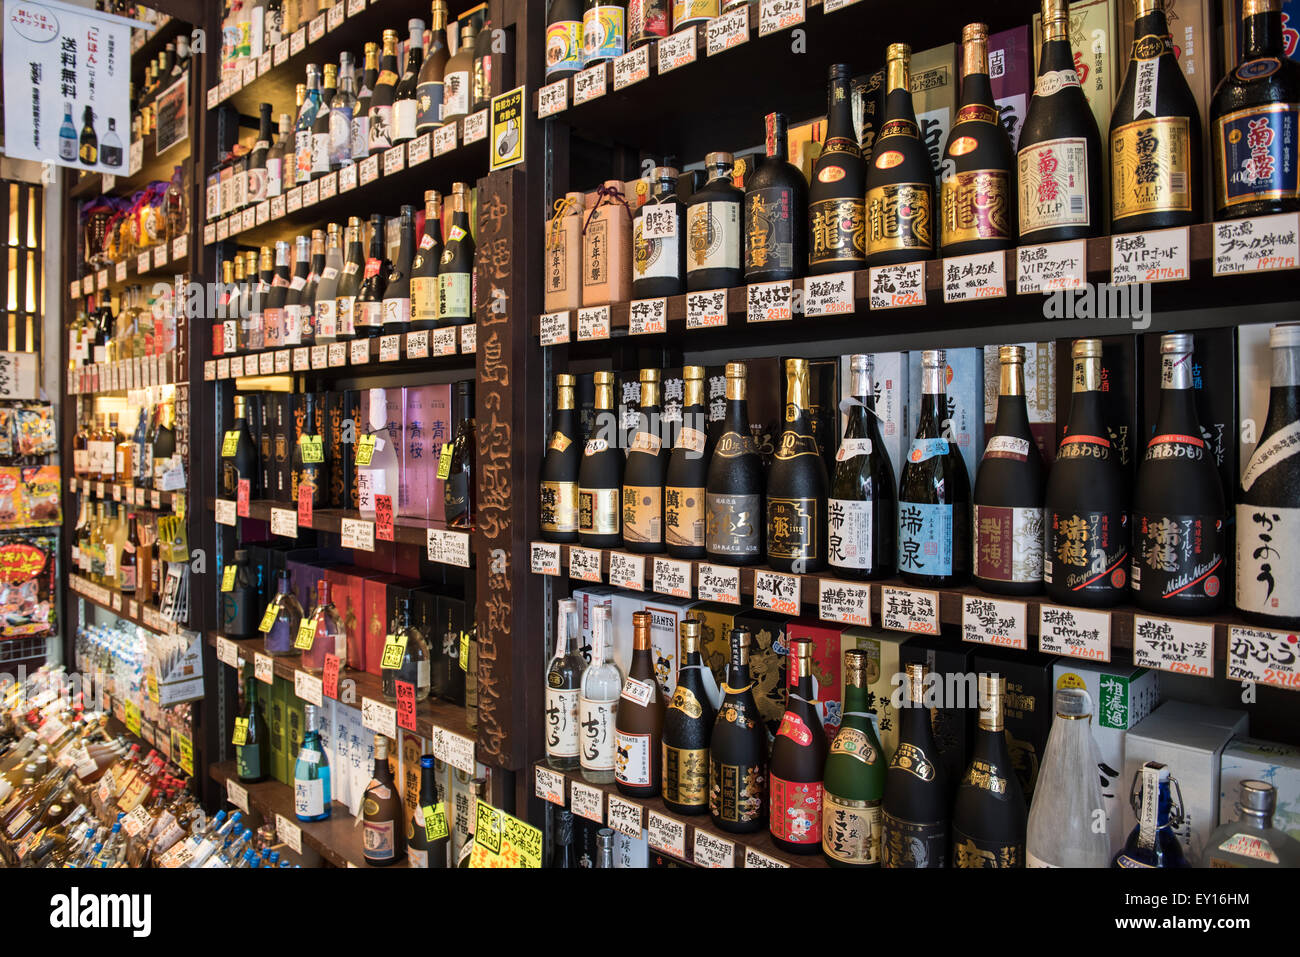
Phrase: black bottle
[369,308]
[643,474]
[600,476]
[837,219]
[459,490]
[738,749]
[685,510]
[733,532]
[559,481]
[900,182]
[776,208]
[915,811]
[796,484]
[713,231]
[988,815]
[240,609]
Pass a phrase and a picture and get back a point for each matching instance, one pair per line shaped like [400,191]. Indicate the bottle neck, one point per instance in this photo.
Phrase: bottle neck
[1261,34]
[1013,413]
[839,116]
[1177,396]
[1284,394]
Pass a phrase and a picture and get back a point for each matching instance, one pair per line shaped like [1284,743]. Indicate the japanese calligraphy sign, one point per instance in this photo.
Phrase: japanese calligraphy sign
[1186,647]
[1269,657]
[66,71]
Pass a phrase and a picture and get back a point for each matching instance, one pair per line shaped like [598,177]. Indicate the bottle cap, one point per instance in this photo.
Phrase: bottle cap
[664,172]
[898,51]
[735,370]
[1073,703]
[641,630]
[974,31]
[1086,349]
[1284,334]
[564,380]
[649,375]
[1258,796]
[860,363]
[857,667]
[840,71]
[605,377]
[718,159]
[1176,343]
[426,761]
[693,372]
[1011,354]
[934,357]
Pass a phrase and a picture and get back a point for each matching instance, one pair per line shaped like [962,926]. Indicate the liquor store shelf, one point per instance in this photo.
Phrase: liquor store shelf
[165,740]
[951,610]
[748,850]
[114,492]
[448,347]
[431,715]
[917,311]
[335,839]
[154,167]
[159,263]
[406,531]
[126,608]
[102,378]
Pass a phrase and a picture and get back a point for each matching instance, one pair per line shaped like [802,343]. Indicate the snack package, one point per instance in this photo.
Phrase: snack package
[27,608]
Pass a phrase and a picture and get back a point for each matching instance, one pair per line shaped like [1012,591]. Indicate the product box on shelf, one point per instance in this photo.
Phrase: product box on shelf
[338,751]
[374,592]
[766,663]
[1028,707]
[1012,77]
[282,440]
[1189,739]
[1249,759]
[427,427]
[956,686]
[281,764]
[1121,697]
[765,395]
[347,592]
[342,407]
[295,729]
[666,614]
[454,617]
[883,650]
[716,621]
[827,669]
[424,616]
[360,758]
[965,394]
[889,382]
[1040,393]
[933,83]
[1121,390]
[266,411]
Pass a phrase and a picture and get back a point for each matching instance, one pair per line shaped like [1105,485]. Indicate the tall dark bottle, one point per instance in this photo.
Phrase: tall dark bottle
[558,512]
[459,490]
[397,288]
[381,98]
[1255,121]
[455,271]
[713,231]
[639,723]
[1058,159]
[1007,515]
[368,310]
[900,181]
[257,161]
[428,89]
[738,749]
[988,816]
[1085,516]
[796,484]
[1179,523]
[307,462]
[293,295]
[424,269]
[837,219]
[600,476]
[307,322]
[273,313]
[240,612]
[733,533]
[252,753]
[685,512]
[776,208]
[1155,134]
[423,848]
[862,510]
[241,462]
[688,724]
[405,106]
[798,760]
[977,195]
[1268,502]
[914,819]
[643,474]
[345,296]
[855,775]
[934,492]
[659,239]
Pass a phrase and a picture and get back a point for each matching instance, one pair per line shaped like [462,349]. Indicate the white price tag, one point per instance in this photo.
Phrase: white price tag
[475,127]
[265,363]
[554,328]
[549,785]
[593,323]
[444,139]
[283,360]
[310,197]
[676,50]
[995,621]
[368,170]
[338,354]
[334,17]
[210,370]
[1154,256]
[646,316]
[982,276]
[628,69]
[228,652]
[347,178]
[468,338]
[768,301]
[284,521]
[584,564]
[209,234]
[214,96]
[589,84]
[250,72]
[553,98]
[263,668]
[288,833]
[237,794]
[1051,267]
[828,295]
[544,558]
[778,592]
[419,149]
[417,344]
[728,31]
[1258,244]
[265,62]
[777,15]
[308,687]
[119,271]
[718,583]
[225,509]
[894,287]
[302,359]
[672,577]
[379,717]
[280,52]
[907,609]
[457,750]
[355,7]
[236,367]
[142,262]
[320,357]
[755,858]
[625,817]
[587,802]
[359,351]
[706,309]
[1074,632]
[1263,656]
[666,835]
[447,547]
[711,850]
[293,200]
[444,341]
[846,603]
[1184,647]
[298,42]
[358,533]
[394,159]
[627,571]
[390,348]
[136,821]
[316,28]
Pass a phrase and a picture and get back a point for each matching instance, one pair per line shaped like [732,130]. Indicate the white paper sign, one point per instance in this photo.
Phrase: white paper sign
[553,98]
[593,323]
[549,785]
[672,577]
[981,276]
[706,309]
[711,850]
[586,801]
[225,509]
[358,533]
[627,571]
[718,583]
[768,301]
[1258,244]
[909,609]
[288,833]
[647,316]
[993,621]
[237,794]
[894,287]
[1184,647]
[308,687]
[666,834]
[1074,632]
[1051,267]
[284,521]
[584,563]
[676,50]
[379,717]
[1156,256]
[728,31]
[778,592]
[629,68]
[544,558]
[1267,657]
[554,328]
[625,817]
[263,668]
[589,84]
[828,295]
[846,603]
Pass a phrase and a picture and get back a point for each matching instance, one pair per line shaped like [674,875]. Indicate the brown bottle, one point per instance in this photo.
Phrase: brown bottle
[384,838]
[639,723]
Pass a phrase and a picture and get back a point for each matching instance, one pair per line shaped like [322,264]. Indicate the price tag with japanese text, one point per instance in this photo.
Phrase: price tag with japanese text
[358,533]
[647,316]
[1257,244]
[553,98]
[288,833]
[1158,255]
[1074,632]
[994,621]
[405,705]
[474,127]
[320,357]
[283,360]
[417,344]
[444,139]
[587,802]
[394,159]
[1264,656]
[347,179]
[593,323]
[625,817]
[894,287]
[777,15]
[549,785]
[263,668]
[225,512]
[284,521]
[330,676]
[338,354]
[379,717]
[713,851]
[718,583]
[672,577]
[828,295]
[628,69]
[544,558]
[308,687]
[584,564]
[242,493]
[368,170]
[390,348]
[237,794]
[384,518]
[755,858]
[627,571]
[228,652]
[419,149]
[444,341]
[778,592]
[304,505]
[1184,647]
[554,328]
[906,609]
[981,276]
[676,50]
[666,834]
[846,603]
[1051,267]
[769,302]
[589,84]
[306,636]
[728,31]
[360,351]
[706,309]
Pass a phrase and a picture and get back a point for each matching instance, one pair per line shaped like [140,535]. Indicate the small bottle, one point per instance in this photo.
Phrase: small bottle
[311,773]
[1252,840]
[383,839]
[111,154]
[406,656]
[605,847]
[1153,842]
[281,620]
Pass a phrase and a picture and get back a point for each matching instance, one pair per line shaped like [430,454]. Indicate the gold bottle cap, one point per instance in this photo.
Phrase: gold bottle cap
[693,372]
[1252,7]
[690,629]
[1145,8]
[1086,349]
[800,655]
[649,375]
[641,630]
[1055,11]
[603,377]
[564,380]
[438,15]
[354,222]
[898,51]
[916,673]
[371,49]
[992,691]
[735,370]
[432,196]
[390,35]
[300,92]
[1011,354]
[856,665]
[331,75]
[241,406]
[974,31]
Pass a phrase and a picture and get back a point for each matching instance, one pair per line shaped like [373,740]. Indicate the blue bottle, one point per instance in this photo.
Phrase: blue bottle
[67,136]
[311,774]
[1153,842]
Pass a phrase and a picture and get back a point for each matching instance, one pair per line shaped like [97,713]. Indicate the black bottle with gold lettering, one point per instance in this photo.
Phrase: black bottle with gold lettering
[988,816]
[796,485]
[558,513]
[600,476]
[837,231]
[733,532]
[977,194]
[1155,134]
[738,749]
[776,207]
[688,724]
[643,475]
[914,815]
[900,182]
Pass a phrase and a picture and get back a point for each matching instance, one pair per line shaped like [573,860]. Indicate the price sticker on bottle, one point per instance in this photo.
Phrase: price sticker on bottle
[1256,244]
[777,15]
[384,518]
[225,512]
[718,583]
[228,578]
[706,309]
[1074,632]
[444,139]
[358,533]
[405,704]
[444,460]
[304,506]
[584,564]
[625,817]
[627,571]
[713,851]
[593,323]
[379,717]
[589,84]
[894,287]
[647,316]
[554,328]
[981,276]
[1158,255]
[994,621]
[394,652]
[845,603]
[242,492]
[672,577]
[911,610]
[330,676]
[630,68]
[360,351]
[728,31]
[544,558]
[268,618]
[263,668]
[230,444]
[1051,267]
[1183,647]
[435,822]
[768,302]
[239,737]
[777,592]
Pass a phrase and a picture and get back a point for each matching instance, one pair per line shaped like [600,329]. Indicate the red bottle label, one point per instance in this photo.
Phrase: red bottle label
[793,727]
[796,814]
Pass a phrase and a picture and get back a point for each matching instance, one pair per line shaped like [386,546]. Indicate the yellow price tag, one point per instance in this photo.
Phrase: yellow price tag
[132,717]
[230,444]
[228,578]
[306,634]
[394,652]
[240,736]
[365,450]
[435,821]
[183,748]
[444,461]
[268,619]
[312,449]
[464,651]
[178,505]
[488,827]
[153,687]
[526,840]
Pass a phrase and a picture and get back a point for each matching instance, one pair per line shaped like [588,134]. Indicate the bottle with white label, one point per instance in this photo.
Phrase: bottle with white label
[325,305]
[456,269]
[598,703]
[350,276]
[1067,818]
[376,457]
[862,511]
[1252,840]
[658,250]
[562,688]
[1268,502]
[713,233]
[1007,514]
[639,724]
[311,773]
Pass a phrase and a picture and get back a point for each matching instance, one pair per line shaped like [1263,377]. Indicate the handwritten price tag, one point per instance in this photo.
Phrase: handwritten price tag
[706,309]
[1183,647]
[895,287]
[320,357]
[593,323]
[417,344]
[584,563]
[419,149]
[475,127]
[718,583]
[358,533]
[237,794]
[369,170]
[308,687]
[1258,244]
[778,592]
[359,350]
[338,354]
[549,785]
[647,315]
[777,15]
[847,603]
[384,518]
[755,858]
[330,676]
[379,717]
[1263,656]
[672,577]
[1074,632]
[405,705]
[628,69]
[828,295]
[627,571]
[444,139]
[228,652]
[711,851]
[666,835]
[348,176]
[225,511]
[288,833]
[982,276]
[390,348]
[1051,267]
[468,339]
[265,363]
[589,84]
[394,160]
[768,302]
[554,328]
[587,802]
[284,521]
[903,609]
[553,98]
[728,31]
[544,558]
[625,817]
[1155,256]
[993,621]
[676,50]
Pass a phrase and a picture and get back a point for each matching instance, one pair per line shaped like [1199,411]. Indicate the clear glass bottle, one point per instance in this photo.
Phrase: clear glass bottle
[602,683]
[311,773]
[406,656]
[330,634]
[563,682]
[281,619]
[1252,840]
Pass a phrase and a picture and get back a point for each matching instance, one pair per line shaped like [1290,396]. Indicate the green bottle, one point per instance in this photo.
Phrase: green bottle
[854,777]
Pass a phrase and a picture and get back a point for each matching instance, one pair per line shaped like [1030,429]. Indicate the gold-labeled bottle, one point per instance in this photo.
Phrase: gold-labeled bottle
[900,182]
[559,486]
[837,227]
[688,724]
[796,484]
[643,474]
[600,476]
[688,473]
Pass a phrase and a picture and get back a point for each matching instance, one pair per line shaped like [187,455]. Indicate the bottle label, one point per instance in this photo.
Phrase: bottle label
[127,578]
[424,298]
[855,744]
[345,308]
[632,759]
[684,700]
[899,216]
[1007,447]
[837,231]
[925,538]
[733,445]
[770,229]
[1256,153]
[642,514]
[320,153]
[360,136]
[690,11]
[736,791]
[684,519]
[1053,178]
[340,136]
[1051,82]
[602,33]
[796,814]
[309,797]
[1008,543]
[912,843]
[454,295]
[325,318]
[923,449]
[557,260]
[559,506]
[274,176]
[975,206]
[908,757]
[793,727]
[1267,584]
[563,47]
[1086,551]
[651,258]
[404,119]
[733,528]
[713,231]
[428,106]
[562,723]
[977,113]
[971,852]
[1150,169]
[257,184]
[397,312]
[851,830]
[792,525]
[370,315]
[302,156]
[248,762]
[1277,448]
[647,18]
[598,511]
[596,724]
[456,89]
[1251,846]
[686,775]
[377,838]
[381,126]
[1177,557]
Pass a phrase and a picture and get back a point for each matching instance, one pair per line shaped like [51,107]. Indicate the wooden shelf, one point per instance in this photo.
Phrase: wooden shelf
[445,348]
[128,609]
[760,841]
[113,278]
[337,839]
[115,492]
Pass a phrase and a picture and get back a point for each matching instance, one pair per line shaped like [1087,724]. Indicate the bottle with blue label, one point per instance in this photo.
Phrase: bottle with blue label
[1255,122]
[934,497]
[1153,843]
